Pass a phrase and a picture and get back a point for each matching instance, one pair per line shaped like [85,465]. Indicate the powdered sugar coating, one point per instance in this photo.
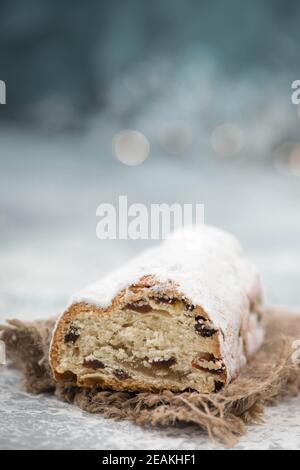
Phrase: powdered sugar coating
[210,269]
[208,266]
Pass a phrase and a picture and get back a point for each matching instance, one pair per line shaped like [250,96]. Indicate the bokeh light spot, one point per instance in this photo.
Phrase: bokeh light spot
[227,140]
[286,159]
[131,147]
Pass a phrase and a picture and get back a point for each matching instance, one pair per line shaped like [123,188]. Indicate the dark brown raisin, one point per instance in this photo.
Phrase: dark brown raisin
[218,386]
[72,335]
[190,307]
[201,319]
[121,374]
[204,332]
[203,328]
[163,362]
[69,376]
[138,308]
[205,356]
[93,364]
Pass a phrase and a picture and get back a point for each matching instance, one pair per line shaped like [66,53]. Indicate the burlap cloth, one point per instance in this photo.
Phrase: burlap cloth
[267,379]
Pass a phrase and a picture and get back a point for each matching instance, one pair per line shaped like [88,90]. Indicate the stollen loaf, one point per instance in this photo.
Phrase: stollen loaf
[185,315]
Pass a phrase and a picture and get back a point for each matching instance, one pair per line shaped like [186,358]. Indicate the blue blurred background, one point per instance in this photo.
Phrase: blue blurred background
[207,86]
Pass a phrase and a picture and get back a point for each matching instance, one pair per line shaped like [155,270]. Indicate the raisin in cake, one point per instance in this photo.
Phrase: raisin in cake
[185,315]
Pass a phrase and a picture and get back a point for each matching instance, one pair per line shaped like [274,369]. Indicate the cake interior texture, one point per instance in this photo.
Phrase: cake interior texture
[153,343]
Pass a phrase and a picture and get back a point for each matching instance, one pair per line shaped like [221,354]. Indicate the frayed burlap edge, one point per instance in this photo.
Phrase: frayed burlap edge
[267,379]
